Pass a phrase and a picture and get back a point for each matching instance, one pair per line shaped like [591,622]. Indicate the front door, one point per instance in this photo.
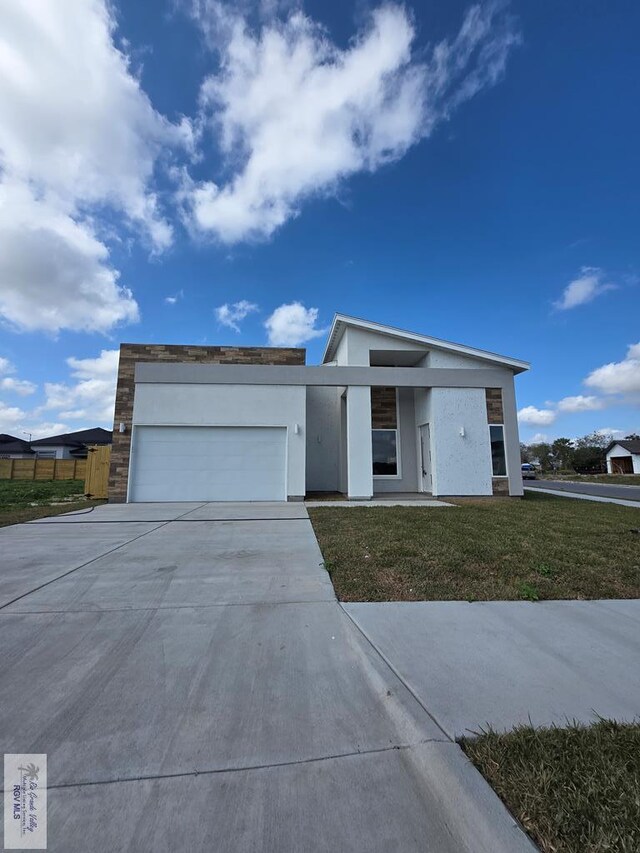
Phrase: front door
[425,458]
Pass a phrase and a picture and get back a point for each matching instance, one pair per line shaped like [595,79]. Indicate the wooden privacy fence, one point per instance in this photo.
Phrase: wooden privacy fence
[42,469]
[96,481]
[94,470]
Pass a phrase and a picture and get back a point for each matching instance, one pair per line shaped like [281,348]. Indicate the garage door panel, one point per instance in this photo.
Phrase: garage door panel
[208,464]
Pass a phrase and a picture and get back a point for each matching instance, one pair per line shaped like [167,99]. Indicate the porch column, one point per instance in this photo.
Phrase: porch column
[359,452]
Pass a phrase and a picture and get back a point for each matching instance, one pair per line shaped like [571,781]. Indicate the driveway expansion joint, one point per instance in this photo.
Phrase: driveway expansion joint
[402,747]
[164,607]
[93,560]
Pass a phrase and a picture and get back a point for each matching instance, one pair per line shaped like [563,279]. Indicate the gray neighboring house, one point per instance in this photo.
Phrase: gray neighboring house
[386,411]
[70,445]
[14,448]
[623,456]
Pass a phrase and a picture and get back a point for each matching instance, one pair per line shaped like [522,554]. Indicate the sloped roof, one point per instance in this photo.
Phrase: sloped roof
[632,445]
[12,444]
[97,435]
[342,321]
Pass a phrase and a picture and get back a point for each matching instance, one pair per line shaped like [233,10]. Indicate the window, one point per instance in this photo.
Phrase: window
[498,458]
[385,452]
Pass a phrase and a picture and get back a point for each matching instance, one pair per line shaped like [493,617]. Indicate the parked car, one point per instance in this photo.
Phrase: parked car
[528,471]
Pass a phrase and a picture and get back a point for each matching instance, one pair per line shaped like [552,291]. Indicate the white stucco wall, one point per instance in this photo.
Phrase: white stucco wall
[460,465]
[617,451]
[323,438]
[359,451]
[230,405]
[437,358]
[355,345]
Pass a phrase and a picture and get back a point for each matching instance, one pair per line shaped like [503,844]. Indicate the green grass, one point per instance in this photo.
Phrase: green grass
[614,479]
[24,500]
[574,789]
[537,548]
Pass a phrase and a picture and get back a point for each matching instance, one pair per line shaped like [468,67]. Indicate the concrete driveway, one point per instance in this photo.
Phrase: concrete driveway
[196,687]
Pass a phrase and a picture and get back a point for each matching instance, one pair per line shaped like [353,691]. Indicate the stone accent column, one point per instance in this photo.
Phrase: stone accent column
[359,450]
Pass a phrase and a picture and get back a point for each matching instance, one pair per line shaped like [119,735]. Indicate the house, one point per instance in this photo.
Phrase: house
[386,411]
[70,445]
[14,448]
[623,456]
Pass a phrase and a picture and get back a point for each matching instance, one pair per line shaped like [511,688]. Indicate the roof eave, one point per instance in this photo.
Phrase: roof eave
[342,320]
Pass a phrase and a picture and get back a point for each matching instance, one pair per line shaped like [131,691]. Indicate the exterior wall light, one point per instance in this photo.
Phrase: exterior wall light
[462,433]
[122,427]
[296,428]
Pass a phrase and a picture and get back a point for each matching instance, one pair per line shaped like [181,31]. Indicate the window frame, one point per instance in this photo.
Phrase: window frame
[398,474]
[504,476]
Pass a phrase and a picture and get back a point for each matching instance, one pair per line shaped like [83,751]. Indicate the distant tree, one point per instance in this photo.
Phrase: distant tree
[594,439]
[589,454]
[525,453]
[562,451]
[633,437]
[540,455]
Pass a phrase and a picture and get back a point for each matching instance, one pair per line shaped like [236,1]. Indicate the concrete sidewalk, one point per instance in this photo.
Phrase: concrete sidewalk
[563,493]
[603,492]
[502,663]
[197,687]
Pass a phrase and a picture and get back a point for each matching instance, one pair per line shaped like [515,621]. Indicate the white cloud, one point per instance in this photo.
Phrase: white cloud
[10,418]
[583,289]
[295,114]
[539,438]
[293,324]
[54,272]
[45,429]
[77,133]
[618,377]
[233,315]
[15,421]
[91,398]
[580,403]
[536,417]
[611,432]
[171,300]
[17,386]
[11,384]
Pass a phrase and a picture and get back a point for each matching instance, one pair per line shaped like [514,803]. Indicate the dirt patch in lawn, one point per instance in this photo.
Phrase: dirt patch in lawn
[540,547]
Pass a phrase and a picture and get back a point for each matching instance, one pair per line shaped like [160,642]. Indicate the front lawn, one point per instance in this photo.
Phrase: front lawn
[540,547]
[574,789]
[24,500]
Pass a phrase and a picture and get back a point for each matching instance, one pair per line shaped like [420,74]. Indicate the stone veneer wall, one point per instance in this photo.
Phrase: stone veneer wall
[495,415]
[132,353]
[383,408]
[494,405]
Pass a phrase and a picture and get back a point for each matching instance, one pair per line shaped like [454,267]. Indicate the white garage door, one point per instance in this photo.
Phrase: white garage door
[208,464]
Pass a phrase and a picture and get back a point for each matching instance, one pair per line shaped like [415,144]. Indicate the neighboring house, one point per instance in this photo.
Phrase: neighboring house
[14,448]
[386,411]
[623,457]
[70,445]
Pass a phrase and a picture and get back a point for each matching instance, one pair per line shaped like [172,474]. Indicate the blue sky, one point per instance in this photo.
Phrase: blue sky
[469,172]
